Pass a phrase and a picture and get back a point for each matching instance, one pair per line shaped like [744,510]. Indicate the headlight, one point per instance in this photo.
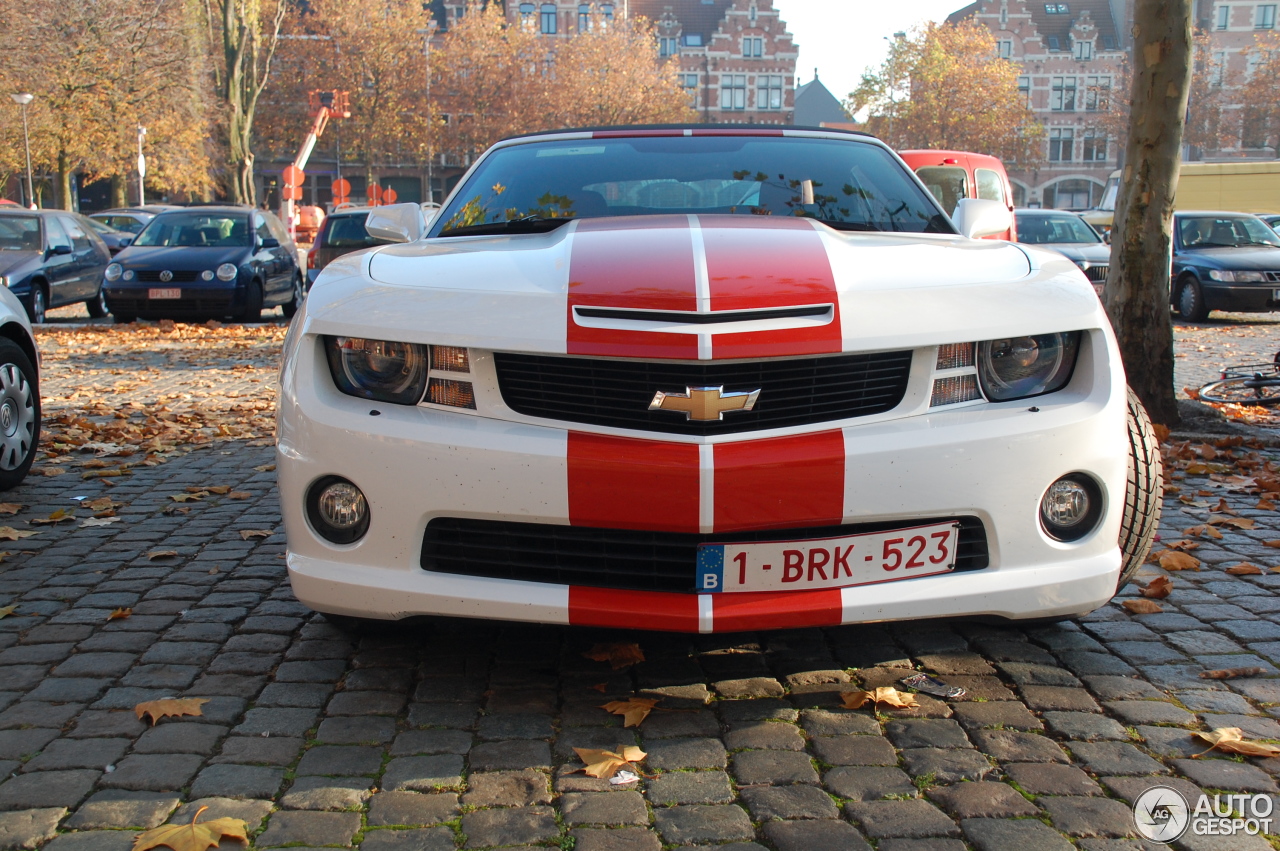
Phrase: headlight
[378,369]
[228,272]
[1084,265]
[114,271]
[1018,367]
[1237,277]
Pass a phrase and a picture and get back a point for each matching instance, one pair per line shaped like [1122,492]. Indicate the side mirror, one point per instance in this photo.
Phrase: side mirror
[270,242]
[126,242]
[977,217]
[395,223]
[1106,237]
[60,249]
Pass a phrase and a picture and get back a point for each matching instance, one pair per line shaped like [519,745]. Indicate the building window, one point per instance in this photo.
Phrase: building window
[1062,144]
[733,91]
[1054,44]
[1057,9]
[1097,95]
[584,17]
[689,81]
[1266,19]
[1024,89]
[753,47]
[1084,50]
[752,14]
[1072,194]
[1219,67]
[1093,148]
[548,19]
[1224,17]
[526,13]
[1108,42]
[668,46]
[1004,48]
[606,11]
[768,92]
[692,39]
[1062,94]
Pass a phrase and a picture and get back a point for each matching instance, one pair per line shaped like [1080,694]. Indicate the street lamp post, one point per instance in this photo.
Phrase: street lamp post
[142,168]
[22,100]
[427,33]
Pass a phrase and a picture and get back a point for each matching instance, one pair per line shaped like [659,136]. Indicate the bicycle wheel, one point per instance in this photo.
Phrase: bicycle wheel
[1252,370]
[1243,391]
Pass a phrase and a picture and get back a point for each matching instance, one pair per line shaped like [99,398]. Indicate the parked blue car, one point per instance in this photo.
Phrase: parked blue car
[205,263]
[1224,261]
[51,258]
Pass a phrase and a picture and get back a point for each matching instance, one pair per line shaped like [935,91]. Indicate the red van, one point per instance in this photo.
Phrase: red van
[952,175]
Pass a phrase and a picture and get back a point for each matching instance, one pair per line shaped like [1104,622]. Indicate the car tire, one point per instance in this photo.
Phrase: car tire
[123,318]
[36,303]
[293,305]
[252,303]
[1191,305]
[1144,487]
[19,414]
[97,306]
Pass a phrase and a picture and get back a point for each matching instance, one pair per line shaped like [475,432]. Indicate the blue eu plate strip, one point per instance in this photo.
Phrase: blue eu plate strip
[710,568]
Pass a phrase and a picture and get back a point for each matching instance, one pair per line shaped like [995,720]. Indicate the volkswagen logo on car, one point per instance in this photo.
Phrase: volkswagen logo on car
[1162,814]
[166,276]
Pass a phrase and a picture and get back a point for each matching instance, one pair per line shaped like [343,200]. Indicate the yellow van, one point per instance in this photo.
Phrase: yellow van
[1238,187]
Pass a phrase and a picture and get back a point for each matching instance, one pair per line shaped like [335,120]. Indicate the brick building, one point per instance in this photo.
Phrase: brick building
[1233,26]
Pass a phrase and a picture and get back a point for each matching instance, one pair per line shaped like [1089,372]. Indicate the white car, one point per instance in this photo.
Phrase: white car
[707,379]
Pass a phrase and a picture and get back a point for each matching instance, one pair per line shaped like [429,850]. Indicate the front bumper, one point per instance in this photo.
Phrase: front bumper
[199,299]
[1242,298]
[991,461]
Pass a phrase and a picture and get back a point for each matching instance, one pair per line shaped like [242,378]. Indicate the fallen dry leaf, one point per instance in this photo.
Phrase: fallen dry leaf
[188,497]
[239,495]
[5,611]
[119,614]
[1158,588]
[1184,545]
[618,654]
[50,471]
[1231,740]
[1162,432]
[155,554]
[246,534]
[1265,505]
[633,710]
[105,474]
[1235,522]
[1245,569]
[218,489]
[99,521]
[1142,606]
[1197,531]
[10,507]
[605,764]
[8,533]
[266,468]
[102,503]
[59,516]
[158,709]
[1173,560]
[176,509]
[1275,545]
[192,837]
[1231,673]
[884,694]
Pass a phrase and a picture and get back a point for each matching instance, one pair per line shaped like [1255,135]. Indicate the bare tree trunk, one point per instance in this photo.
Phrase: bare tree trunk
[1137,294]
[64,182]
[119,190]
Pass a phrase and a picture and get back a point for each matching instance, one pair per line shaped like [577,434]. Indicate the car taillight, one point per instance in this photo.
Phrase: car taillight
[311,257]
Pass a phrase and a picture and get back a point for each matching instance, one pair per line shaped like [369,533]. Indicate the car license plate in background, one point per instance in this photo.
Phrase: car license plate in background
[828,562]
[153,293]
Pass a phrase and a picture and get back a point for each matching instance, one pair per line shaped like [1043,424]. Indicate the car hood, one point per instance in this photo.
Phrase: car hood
[179,258]
[1247,257]
[528,292]
[16,262]
[1096,253]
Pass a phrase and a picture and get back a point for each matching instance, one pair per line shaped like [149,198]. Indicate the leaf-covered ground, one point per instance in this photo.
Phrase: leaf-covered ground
[116,396]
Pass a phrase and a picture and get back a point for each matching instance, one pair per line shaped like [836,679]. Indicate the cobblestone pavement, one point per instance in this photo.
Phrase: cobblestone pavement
[448,734]
[1202,349]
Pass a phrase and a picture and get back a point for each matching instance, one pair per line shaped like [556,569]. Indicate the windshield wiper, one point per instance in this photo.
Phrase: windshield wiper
[525,224]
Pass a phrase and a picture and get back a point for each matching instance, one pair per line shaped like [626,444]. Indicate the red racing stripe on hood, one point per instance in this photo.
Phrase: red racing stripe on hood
[624,483]
[645,262]
[756,262]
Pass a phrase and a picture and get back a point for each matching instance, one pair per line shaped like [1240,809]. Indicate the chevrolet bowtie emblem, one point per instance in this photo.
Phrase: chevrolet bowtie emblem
[704,403]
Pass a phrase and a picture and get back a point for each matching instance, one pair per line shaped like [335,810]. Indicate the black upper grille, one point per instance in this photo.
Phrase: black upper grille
[793,391]
[152,277]
[1097,274]
[622,558]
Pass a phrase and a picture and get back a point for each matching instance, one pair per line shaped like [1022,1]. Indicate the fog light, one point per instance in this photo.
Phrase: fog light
[337,510]
[1071,507]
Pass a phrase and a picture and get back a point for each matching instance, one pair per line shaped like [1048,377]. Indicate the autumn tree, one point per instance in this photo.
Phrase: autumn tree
[945,86]
[1208,126]
[1259,103]
[1137,290]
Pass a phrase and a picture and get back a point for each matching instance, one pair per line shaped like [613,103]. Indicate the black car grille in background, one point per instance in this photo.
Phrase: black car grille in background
[153,277]
[622,558]
[170,307]
[1272,277]
[1097,274]
[793,391]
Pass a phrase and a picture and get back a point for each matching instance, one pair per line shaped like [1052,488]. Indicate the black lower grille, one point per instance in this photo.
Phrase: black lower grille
[170,307]
[617,393]
[621,558]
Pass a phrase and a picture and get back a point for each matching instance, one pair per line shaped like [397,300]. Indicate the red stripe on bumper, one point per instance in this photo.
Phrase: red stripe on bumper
[781,482]
[755,262]
[623,483]
[646,263]
[775,610]
[611,607]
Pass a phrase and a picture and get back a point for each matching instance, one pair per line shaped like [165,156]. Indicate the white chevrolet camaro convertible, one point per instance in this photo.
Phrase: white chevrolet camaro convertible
[707,379]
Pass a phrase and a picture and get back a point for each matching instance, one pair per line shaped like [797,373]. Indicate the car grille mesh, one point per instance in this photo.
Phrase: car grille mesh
[622,558]
[170,307]
[153,277]
[1097,274]
[617,393]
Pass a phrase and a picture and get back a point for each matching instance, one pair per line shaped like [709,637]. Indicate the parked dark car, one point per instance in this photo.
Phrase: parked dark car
[131,219]
[1273,220]
[1224,261]
[1069,235]
[206,262]
[52,258]
[115,239]
[341,233]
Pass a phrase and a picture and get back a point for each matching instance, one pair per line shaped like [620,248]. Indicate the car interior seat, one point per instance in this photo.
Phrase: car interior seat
[1223,234]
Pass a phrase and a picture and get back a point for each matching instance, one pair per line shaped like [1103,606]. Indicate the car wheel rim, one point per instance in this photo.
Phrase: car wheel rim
[17,417]
[37,305]
[1188,300]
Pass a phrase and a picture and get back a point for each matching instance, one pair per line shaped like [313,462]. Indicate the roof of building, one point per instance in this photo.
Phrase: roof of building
[695,16]
[816,105]
[1057,25]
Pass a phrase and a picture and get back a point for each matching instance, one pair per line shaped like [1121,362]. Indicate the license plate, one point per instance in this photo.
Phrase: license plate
[153,293]
[828,562]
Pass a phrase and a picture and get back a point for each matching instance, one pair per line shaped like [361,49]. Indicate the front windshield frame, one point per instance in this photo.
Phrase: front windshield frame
[913,203]
[223,223]
[1258,231]
[1076,225]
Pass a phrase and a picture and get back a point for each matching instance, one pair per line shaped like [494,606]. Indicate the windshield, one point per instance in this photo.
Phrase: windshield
[849,184]
[124,223]
[347,232]
[1043,230]
[1109,193]
[19,233]
[1224,232]
[948,183]
[197,230]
